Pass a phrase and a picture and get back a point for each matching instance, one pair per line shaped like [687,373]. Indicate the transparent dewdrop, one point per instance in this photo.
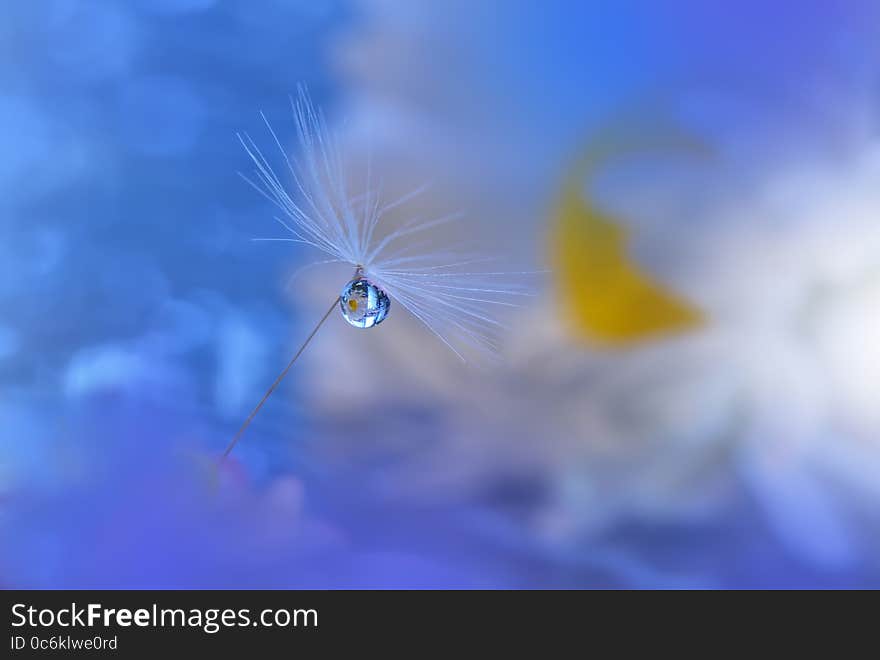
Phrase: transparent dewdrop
[363,304]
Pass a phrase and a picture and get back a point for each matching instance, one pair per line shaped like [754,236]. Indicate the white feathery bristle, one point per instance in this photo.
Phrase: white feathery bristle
[438,287]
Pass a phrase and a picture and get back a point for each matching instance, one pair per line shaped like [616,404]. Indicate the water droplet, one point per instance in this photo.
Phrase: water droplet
[363,304]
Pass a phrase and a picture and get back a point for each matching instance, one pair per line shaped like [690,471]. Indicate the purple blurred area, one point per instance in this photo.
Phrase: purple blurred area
[140,323]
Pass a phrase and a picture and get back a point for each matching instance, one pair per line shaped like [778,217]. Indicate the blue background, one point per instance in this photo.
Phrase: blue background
[139,323]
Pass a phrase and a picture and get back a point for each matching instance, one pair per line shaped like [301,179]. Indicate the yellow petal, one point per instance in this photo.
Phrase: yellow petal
[603,294]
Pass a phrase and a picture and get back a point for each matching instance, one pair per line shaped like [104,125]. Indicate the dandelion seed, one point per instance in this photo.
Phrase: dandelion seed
[317,210]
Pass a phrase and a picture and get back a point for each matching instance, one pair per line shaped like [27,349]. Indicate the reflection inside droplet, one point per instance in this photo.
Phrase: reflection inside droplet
[363,304]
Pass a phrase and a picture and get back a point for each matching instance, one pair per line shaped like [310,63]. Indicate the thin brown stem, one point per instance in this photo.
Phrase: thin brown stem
[278,380]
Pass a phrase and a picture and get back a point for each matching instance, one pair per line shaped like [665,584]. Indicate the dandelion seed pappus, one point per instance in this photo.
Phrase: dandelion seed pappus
[442,289]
